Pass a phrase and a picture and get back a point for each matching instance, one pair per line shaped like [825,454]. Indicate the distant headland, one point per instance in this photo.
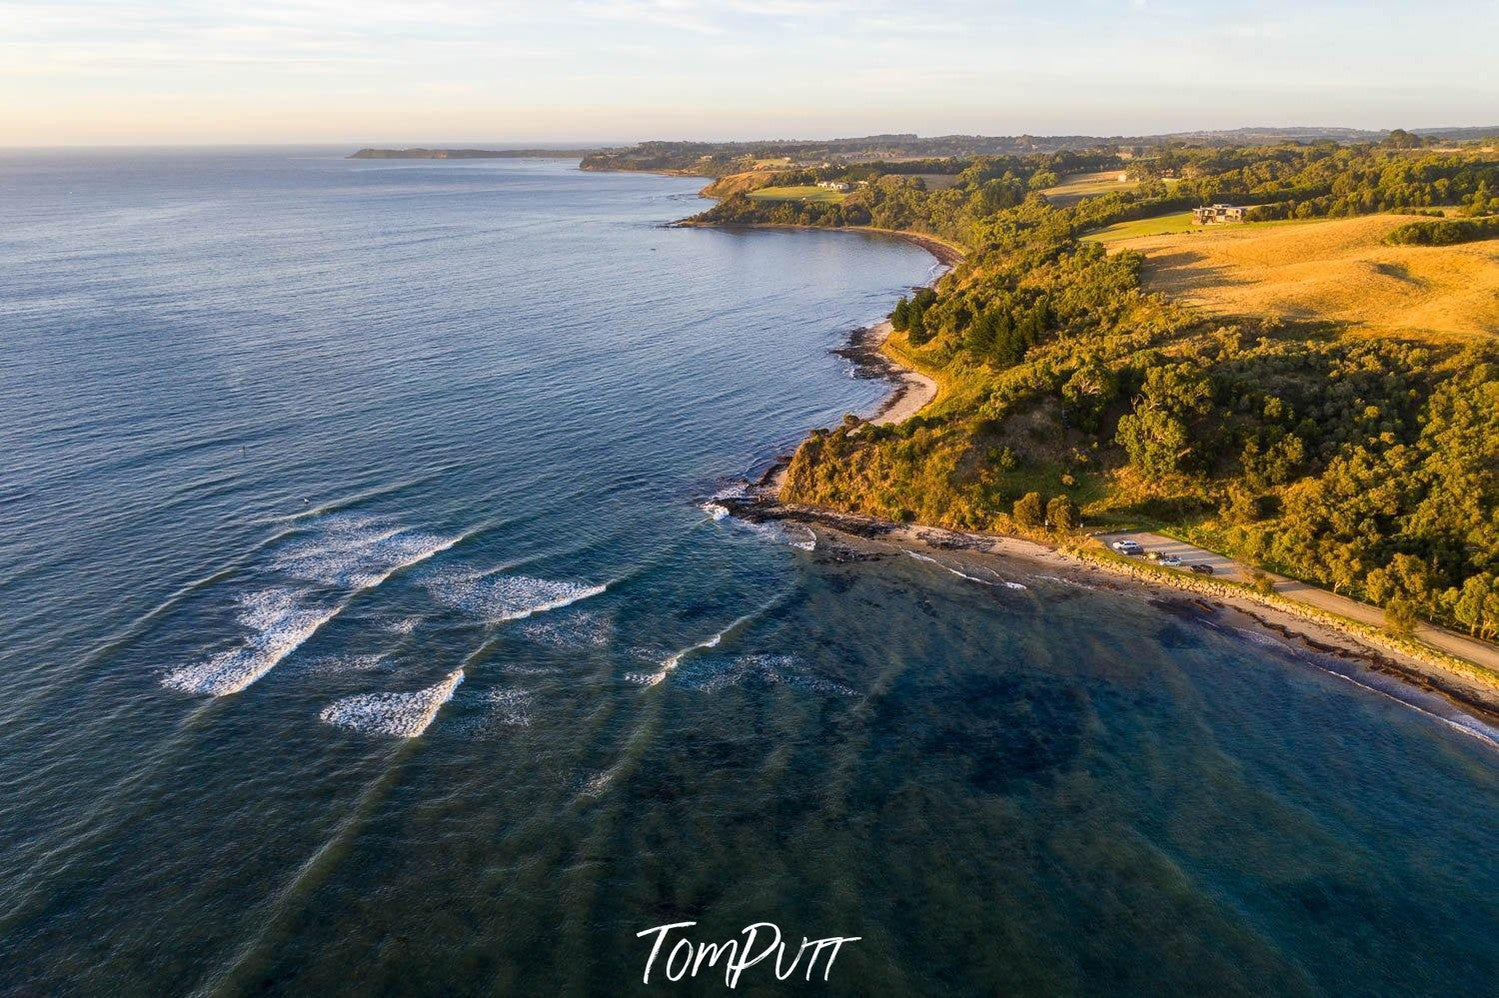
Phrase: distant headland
[419,153]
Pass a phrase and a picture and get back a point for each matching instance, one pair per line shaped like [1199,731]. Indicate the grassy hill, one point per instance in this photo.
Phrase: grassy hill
[1337,270]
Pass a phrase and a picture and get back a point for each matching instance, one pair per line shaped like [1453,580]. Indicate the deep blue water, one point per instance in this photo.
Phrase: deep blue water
[361,630]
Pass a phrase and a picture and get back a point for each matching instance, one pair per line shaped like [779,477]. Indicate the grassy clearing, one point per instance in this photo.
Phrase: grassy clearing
[1076,186]
[1337,269]
[1180,221]
[804,192]
[1176,223]
[938,181]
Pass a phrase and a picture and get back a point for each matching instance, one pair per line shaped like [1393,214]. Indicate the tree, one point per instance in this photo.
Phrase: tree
[1042,179]
[1399,617]
[980,338]
[900,319]
[1240,505]
[1156,442]
[1477,605]
[1063,514]
[1028,510]
[916,326]
[1087,392]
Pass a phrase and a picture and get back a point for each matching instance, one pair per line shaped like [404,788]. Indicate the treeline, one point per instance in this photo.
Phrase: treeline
[1327,180]
[1370,466]
[966,211]
[1444,232]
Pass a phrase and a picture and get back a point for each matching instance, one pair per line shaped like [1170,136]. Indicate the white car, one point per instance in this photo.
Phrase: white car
[1127,546]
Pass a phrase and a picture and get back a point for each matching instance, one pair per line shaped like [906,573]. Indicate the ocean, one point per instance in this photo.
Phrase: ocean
[366,627]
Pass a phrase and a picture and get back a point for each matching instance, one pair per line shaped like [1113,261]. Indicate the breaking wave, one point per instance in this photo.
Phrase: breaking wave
[359,553]
[1067,582]
[279,621]
[670,663]
[347,553]
[996,581]
[398,715]
[494,599]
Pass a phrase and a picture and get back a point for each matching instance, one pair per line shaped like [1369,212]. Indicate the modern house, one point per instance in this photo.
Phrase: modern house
[1218,213]
[834,185]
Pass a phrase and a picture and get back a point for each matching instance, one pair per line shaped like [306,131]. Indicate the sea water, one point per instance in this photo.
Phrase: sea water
[363,628]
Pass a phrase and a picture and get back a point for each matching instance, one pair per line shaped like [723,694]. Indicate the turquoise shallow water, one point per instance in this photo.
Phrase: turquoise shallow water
[304,456]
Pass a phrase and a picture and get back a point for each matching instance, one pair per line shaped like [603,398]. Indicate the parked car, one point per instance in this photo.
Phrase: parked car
[1201,569]
[1127,546]
[1170,559]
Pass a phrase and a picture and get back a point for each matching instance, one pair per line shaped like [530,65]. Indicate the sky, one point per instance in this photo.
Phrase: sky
[82,72]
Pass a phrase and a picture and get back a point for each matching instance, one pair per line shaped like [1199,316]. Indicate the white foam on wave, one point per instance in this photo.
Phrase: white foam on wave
[996,581]
[670,663]
[507,597]
[397,715]
[780,533]
[806,543]
[1260,638]
[351,552]
[508,707]
[335,664]
[574,630]
[1066,582]
[280,622]
[406,625]
[360,554]
[673,660]
[596,782]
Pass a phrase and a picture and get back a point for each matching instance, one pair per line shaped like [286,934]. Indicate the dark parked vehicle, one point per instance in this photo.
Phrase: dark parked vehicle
[1201,569]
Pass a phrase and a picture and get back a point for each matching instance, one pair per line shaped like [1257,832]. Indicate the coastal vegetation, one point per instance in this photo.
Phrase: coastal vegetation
[889,152]
[1291,439]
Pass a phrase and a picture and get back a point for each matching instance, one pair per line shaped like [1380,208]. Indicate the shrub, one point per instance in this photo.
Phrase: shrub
[1028,510]
[1063,514]
[1399,617]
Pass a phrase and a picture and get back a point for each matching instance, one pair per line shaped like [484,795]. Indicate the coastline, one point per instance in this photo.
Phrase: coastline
[1470,688]
[1414,667]
[948,254]
[910,390]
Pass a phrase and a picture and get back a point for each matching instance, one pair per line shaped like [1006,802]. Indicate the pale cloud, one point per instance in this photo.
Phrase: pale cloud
[528,69]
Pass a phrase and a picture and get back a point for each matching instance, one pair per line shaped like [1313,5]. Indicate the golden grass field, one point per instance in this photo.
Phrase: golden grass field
[1336,269]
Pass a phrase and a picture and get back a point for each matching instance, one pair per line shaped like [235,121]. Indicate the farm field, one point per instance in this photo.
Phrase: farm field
[1076,186]
[1337,269]
[803,192]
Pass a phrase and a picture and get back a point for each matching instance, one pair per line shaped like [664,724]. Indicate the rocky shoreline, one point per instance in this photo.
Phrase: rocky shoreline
[1415,666]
